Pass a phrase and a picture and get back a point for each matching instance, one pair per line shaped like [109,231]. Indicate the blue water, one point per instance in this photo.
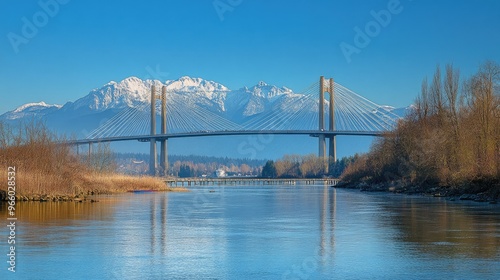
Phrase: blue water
[259,232]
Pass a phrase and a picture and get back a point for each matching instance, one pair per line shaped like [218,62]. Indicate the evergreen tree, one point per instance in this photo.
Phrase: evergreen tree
[269,170]
[185,171]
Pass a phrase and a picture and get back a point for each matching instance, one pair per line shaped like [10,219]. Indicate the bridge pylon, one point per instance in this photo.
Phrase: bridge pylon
[153,166]
[327,85]
[163,149]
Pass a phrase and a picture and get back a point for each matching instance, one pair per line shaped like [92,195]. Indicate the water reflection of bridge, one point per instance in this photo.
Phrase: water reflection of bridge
[327,218]
[162,224]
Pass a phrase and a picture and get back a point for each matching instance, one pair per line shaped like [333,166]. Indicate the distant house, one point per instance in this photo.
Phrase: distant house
[220,173]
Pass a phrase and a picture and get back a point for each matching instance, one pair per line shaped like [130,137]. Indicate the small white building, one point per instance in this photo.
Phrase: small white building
[220,173]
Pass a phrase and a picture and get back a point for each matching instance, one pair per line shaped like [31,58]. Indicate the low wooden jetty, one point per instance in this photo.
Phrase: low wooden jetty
[245,181]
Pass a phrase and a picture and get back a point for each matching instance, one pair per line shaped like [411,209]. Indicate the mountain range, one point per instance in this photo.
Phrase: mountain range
[78,118]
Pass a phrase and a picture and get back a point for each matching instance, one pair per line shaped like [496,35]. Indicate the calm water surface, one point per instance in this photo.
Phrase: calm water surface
[284,232]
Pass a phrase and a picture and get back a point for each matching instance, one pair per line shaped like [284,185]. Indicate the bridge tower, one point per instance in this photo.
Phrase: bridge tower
[327,85]
[163,148]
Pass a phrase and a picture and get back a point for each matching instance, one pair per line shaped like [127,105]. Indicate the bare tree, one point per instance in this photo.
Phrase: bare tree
[102,160]
[436,94]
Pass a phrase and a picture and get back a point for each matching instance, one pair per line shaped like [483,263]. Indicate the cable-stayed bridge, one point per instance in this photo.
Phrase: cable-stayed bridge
[304,113]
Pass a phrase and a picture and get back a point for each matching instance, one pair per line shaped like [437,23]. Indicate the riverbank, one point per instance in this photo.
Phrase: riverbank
[37,167]
[80,188]
[448,145]
[478,190]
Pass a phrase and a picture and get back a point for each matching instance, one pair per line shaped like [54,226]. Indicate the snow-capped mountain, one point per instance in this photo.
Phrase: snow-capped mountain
[100,104]
[205,88]
[246,102]
[79,118]
[128,93]
[133,91]
[30,110]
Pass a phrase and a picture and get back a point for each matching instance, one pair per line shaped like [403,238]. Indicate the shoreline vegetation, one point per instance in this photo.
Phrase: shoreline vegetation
[45,170]
[449,146]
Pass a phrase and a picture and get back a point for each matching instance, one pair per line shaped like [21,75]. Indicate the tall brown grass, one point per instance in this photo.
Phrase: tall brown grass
[46,166]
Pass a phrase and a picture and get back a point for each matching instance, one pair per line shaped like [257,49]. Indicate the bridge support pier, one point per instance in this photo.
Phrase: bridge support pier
[322,147]
[322,142]
[163,149]
[332,141]
[332,149]
[153,157]
[332,145]
[152,147]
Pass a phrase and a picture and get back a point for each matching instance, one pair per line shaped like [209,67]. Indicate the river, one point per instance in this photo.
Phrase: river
[258,232]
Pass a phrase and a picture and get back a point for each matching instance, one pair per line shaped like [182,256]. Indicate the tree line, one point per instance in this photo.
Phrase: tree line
[451,138]
[191,166]
[185,169]
[305,166]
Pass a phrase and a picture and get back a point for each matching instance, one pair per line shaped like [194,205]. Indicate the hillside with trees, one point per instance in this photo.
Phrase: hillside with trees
[449,145]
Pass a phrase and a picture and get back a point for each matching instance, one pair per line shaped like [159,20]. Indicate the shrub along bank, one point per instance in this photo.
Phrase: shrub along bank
[449,145]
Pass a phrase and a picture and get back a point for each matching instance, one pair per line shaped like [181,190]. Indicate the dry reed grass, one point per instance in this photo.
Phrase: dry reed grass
[44,167]
[116,183]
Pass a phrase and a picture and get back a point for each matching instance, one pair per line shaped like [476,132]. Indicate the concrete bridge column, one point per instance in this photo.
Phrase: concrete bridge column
[163,150]
[322,142]
[332,144]
[332,141]
[152,150]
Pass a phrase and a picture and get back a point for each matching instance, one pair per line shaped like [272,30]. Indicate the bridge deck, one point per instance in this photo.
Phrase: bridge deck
[248,181]
[158,137]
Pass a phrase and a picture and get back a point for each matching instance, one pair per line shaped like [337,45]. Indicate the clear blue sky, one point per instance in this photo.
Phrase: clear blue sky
[81,45]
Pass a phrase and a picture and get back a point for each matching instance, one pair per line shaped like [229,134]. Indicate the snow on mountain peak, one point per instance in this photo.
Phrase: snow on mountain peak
[387,107]
[30,110]
[132,83]
[126,93]
[188,94]
[197,86]
[265,90]
[187,83]
[31,106]
[132,91]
